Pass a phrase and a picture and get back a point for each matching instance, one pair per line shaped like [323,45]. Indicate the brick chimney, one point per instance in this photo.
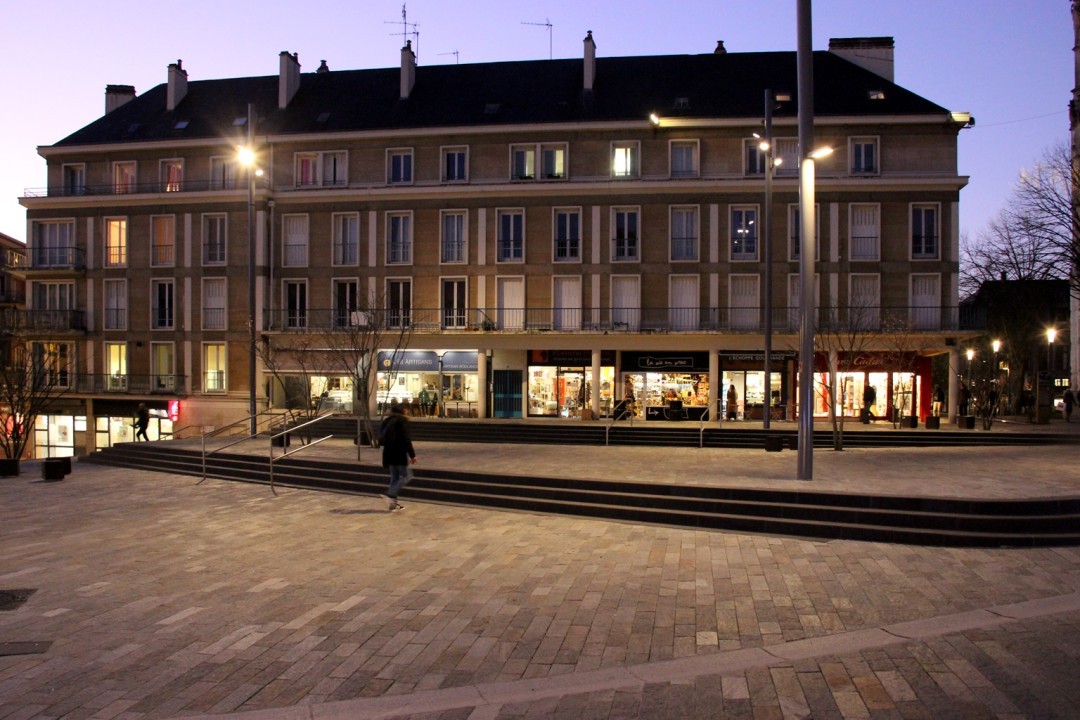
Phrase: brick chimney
[288,78]
[590,61]
[117,95]
[870,53]
[177,85]
[408,70]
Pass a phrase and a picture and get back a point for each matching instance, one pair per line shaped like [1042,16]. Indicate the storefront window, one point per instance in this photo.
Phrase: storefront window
[54,435]
[667,396]
[565,391]
[110,430]
[333,394]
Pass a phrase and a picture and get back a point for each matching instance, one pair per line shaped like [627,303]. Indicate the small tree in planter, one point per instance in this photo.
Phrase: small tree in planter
[900,357]
[985,384]
[843,334]
[29,384]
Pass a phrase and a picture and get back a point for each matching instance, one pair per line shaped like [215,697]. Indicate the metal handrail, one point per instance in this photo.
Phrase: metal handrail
[287,453]
[701,425]
[218,431]
[611,423]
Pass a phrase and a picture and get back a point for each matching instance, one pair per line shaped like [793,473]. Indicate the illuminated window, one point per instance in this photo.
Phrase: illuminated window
[624,160]
[115,242]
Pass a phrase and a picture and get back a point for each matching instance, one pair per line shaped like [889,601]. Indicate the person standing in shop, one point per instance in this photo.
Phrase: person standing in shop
[397,453]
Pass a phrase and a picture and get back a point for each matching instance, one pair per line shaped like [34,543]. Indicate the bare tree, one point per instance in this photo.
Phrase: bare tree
[293,363]
[359,334]
[30,382]
[1010,249]
[843,334]
[901,353]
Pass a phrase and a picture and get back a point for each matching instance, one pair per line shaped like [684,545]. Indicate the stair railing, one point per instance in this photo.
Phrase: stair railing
[287,453]
[267,416]
[701,425]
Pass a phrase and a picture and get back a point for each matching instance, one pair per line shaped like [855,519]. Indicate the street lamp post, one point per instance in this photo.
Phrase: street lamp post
[766,218]
[1051,335]
[247,159]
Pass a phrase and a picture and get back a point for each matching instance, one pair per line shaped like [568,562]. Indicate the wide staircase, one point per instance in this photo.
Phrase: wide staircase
[912,520]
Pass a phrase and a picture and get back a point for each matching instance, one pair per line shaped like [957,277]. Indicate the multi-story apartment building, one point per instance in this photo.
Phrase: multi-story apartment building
[12,292]
[558,235]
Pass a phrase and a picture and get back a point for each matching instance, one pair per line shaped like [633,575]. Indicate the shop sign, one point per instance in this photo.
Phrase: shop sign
[665,362]
[756,357]
[408,361]
[569,358]
[459,361]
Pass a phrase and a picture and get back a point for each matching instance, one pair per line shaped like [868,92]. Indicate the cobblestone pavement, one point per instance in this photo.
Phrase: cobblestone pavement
[162,598]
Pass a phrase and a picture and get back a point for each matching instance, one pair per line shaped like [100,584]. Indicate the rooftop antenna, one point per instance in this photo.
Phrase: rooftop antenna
[455,53]
[407,28]
[546,24]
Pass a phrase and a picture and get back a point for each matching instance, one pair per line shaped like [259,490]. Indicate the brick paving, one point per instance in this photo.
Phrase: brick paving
[162,598]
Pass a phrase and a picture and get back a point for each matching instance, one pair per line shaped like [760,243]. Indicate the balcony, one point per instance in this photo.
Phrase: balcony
[53,258]
[142,188]
[13,259]
[19,321]
[747,320]
[129,384]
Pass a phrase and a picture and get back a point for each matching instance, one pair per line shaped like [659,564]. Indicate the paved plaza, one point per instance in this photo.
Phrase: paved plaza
[156,597]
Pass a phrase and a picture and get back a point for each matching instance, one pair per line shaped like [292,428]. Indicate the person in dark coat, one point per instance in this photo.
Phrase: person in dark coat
[1069,400]
[142,421]
[397,453]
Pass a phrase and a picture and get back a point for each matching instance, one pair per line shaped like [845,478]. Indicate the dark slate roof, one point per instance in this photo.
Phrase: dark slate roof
[728,85]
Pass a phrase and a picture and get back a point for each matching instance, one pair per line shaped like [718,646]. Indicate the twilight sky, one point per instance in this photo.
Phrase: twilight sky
[1008,63]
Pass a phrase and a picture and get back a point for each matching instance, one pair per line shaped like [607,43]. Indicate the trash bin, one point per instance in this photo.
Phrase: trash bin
[774,443]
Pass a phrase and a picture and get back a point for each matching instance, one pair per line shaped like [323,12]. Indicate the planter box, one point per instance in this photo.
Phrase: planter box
[933,422]
[53,468]
[967,422]
[911,422]
[9,467]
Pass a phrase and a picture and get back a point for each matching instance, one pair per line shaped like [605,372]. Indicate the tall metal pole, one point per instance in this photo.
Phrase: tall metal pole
[766,228]
[251,270]
[805,64]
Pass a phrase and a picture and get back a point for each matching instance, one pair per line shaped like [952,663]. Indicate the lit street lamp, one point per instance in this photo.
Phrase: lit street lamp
[246,157]
[766,149]
[1051,335]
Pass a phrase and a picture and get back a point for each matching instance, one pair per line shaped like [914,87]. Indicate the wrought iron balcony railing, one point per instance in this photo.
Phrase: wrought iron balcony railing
[134,188]
[646,320]
[130,384]
[56,258]
[18,320]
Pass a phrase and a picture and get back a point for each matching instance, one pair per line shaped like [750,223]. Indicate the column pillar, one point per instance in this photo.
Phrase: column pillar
[481,383]
[594,401]
[715,412]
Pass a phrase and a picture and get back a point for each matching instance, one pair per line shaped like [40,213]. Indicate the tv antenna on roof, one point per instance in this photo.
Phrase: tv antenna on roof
[455,53]
[546,24]
[407,28]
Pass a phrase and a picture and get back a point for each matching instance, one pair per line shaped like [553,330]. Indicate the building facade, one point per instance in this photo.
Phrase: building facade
[561,238]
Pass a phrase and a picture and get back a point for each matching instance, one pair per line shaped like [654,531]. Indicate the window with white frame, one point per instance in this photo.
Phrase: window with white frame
[553,161]
[753,157]
[171,175]
[296,304]
[684,233]
[53,295]
[222,173]
[162,240]
[864,155]
[523,162]
[398,238]
[75,179]
[865,231]
[214,303]
[454,303]
[551,157]
[346,238]
[215,367]
[625,241]
[453,248]
[321,169]
[162,294]
[787,152]
[399,166]
[567,235]
[399,302]
[684,158]
[116,302]
[625,159]
[214,235]
[116,377]
[294,238]
[744,232]
[54,244]
[510,244]
[115,242]
[346,298]
[124,177]
[925,231]
[795,232]
[455,167]
[54,363]
[864,301]
[163,367]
